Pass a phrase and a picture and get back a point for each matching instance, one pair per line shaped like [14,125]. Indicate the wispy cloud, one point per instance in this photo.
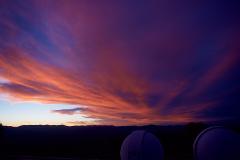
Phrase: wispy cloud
[69,111]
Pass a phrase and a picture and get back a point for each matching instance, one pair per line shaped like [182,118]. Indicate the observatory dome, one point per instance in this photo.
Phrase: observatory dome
[141,145]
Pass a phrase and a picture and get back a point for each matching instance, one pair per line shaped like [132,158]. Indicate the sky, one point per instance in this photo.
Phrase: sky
[72,62]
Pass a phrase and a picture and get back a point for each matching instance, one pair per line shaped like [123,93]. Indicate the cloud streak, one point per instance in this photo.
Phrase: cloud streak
[68,111]
[128,63]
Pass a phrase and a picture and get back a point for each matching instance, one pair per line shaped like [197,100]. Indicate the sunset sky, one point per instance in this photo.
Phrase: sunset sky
[107,62]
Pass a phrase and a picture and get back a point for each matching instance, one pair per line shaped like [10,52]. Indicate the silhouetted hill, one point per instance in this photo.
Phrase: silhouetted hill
[92,142]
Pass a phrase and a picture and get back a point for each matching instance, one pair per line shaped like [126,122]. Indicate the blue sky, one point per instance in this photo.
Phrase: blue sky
[16,113]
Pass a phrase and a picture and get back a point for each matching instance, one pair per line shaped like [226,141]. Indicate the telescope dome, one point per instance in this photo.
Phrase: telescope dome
[141,145]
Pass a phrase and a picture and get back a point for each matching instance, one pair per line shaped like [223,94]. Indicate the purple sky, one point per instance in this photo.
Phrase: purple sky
[120,62]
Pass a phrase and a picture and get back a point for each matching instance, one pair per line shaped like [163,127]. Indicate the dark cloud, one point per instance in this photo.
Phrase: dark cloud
[19,89]
[69,111]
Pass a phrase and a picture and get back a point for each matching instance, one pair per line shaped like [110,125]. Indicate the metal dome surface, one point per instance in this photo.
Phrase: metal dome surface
[141,145]
[217,143]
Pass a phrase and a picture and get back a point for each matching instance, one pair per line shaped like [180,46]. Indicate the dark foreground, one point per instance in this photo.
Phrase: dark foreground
[90,142]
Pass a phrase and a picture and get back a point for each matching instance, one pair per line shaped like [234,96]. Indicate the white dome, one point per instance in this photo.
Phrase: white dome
[217,143]
[141,145]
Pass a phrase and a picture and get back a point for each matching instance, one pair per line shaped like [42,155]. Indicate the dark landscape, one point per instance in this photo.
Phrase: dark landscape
[92,142]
